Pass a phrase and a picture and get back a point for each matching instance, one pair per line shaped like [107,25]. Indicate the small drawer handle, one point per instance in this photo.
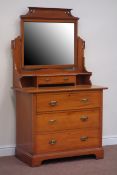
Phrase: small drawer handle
[84,138]
[47,79]
[84,100]
[53,103]
[52,121]
[52,142]
[66,78]
[84,118]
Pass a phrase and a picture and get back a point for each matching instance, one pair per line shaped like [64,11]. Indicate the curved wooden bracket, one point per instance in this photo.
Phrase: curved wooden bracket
[16,51]
[81,58]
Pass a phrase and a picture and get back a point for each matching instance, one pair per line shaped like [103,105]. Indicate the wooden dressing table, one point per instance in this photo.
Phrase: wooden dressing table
[58,110]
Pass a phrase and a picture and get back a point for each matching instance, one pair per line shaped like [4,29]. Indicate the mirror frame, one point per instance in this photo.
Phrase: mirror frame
[52,15]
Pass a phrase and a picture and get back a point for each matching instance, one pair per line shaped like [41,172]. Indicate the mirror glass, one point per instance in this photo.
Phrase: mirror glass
[48,43]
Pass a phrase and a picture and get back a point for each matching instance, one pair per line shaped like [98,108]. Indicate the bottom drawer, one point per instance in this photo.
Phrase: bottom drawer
[68,140]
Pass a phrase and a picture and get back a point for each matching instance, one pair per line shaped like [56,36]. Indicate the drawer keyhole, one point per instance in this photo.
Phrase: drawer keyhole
[52,142]
[66,78]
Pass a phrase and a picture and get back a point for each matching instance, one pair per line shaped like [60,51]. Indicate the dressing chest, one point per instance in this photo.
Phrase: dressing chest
[58,110]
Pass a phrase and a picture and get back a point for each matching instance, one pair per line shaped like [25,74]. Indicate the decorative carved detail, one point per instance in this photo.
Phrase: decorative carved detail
[49,13]
[68,12]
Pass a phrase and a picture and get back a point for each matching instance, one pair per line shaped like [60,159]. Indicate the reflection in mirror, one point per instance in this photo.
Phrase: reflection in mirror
[48,43]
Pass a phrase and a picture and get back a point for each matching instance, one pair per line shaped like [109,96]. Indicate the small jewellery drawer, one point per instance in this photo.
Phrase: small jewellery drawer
[56,121]
[68,100]
[56,79]
[69,140]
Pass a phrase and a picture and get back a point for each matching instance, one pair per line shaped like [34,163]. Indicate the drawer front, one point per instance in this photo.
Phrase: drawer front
[67,120]
[67,101]
[74,139]
[56,80]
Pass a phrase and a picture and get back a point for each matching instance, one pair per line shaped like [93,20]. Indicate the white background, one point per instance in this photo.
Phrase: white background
[97,26]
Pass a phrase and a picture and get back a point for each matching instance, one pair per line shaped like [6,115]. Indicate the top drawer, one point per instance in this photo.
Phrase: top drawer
[67,100]
[56,80]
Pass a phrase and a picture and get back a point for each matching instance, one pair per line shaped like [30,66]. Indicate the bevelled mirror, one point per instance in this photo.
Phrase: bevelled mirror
[48,43]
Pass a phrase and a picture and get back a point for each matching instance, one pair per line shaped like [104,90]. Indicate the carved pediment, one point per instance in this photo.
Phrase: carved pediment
[50,13]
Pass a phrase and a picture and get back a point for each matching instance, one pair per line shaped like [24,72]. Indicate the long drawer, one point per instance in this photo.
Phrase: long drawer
[67,120]
[70,140]
[68,100]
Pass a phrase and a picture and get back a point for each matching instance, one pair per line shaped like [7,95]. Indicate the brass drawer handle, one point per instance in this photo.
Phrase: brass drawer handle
[84,138]
[66,78]
[84,100]
[52,142]
[53,103]
[52,121]
[83,118]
